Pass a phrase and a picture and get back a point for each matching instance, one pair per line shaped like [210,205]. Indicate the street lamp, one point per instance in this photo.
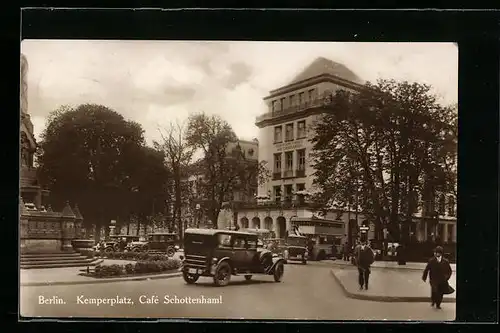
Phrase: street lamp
[198,217]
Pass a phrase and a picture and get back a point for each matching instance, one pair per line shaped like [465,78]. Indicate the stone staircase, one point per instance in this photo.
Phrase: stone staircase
[56,260]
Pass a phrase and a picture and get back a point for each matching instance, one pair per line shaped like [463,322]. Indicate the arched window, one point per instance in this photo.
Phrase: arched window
[451,206]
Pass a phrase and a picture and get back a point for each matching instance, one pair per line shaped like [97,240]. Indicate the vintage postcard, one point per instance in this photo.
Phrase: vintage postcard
[281,180]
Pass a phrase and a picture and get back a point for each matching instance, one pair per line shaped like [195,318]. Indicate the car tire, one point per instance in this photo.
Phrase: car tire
[248,277]
[108,249]
[222,274]
[278,272]
[170,251]
[304,262]
[190,278]
[136,249]
[321,255]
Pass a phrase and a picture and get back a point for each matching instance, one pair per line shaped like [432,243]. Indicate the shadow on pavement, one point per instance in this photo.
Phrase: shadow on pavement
[209,283]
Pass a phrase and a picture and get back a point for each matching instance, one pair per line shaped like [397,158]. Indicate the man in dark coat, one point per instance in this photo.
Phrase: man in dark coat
[364,259]
[439,271]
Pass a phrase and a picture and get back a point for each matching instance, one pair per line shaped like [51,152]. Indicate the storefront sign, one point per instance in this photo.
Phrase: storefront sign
[292,145]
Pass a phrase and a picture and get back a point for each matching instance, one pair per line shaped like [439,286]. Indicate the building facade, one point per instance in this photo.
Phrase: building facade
[285,131]
[193,213]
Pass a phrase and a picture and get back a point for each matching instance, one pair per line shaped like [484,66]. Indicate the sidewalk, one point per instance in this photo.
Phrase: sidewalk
[70,276]
[389,285]
[415,266]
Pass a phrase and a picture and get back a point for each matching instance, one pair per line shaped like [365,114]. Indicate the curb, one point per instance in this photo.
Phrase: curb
[391,268]
[378,298]
[96,281]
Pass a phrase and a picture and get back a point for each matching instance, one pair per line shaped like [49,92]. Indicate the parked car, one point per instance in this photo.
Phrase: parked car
[161,242]
[116,243]
[222,253]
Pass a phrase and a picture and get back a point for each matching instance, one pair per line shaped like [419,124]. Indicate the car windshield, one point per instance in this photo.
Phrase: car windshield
[297,241]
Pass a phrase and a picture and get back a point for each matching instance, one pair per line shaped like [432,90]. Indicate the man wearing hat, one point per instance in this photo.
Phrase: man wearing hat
[439,270]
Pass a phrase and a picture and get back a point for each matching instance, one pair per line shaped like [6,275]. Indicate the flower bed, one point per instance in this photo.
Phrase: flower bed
[134,256]
[144,267]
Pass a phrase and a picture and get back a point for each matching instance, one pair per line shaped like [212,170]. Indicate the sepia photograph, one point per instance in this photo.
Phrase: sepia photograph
[238,180]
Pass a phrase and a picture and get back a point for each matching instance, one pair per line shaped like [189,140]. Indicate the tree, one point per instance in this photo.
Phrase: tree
[226,169]
[386,145]
[178,156]
[149,180]
[87,156]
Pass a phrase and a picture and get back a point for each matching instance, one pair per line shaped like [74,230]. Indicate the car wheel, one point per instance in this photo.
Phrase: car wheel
[170,251]
[222,275]
[108,249]
[304,262]
[248,277]
[321,256]
[190,278]
[278,272]
[136,249]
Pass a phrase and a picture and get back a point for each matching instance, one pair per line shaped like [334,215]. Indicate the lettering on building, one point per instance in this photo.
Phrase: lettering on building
[289,145]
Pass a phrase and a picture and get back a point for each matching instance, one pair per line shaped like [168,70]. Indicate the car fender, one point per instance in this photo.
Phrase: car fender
[276,260]
[224,259]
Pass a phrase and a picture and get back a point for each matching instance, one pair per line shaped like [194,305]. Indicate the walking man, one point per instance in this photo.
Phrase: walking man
[364,259]
[439,271]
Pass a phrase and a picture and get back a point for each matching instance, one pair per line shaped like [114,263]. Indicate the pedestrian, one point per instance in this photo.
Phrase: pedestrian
[439,270]
[346,251]
[334,251]
[364,259]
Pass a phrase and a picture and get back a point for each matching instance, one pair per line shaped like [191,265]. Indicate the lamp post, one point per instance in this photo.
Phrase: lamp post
[198,217]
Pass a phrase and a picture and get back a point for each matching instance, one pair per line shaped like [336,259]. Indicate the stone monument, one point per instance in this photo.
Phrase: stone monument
[41,230]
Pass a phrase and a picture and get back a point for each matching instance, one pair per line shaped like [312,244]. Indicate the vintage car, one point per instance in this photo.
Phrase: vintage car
[157,242]
[295,248]
[262,234]
[291,248]
[116,243]
[222,253]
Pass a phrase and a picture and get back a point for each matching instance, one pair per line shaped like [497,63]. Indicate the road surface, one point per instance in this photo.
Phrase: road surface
[306,292]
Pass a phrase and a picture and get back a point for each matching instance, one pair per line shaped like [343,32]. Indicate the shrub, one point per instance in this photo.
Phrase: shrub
[109,270]
[129,268]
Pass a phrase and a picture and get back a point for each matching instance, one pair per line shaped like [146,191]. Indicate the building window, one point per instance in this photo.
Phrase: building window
[451,206]
[289,161]
[288,193]
[311,94]
[277,134]
[301,159]
[301,129]
[289,132]
[300,198]
[275,106]
[442,205]
[301,98]
[277,163]
[277,193]
[282,102]
[292,100]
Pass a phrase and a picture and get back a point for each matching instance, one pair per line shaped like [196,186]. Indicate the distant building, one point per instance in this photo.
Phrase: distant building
[193,213]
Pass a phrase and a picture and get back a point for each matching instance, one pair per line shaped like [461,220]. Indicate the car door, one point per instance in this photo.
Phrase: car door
[239,252]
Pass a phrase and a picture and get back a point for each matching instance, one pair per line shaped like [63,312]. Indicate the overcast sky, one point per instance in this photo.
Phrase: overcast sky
[155,82]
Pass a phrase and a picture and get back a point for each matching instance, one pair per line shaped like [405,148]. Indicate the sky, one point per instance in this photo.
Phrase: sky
[157,82]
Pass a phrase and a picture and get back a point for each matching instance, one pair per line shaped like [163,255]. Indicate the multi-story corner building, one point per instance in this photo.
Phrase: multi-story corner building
[284,134]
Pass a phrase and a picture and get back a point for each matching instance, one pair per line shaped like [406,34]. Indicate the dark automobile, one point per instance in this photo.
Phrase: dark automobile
[222,253]
[295,248]
[157,242]
[116,243]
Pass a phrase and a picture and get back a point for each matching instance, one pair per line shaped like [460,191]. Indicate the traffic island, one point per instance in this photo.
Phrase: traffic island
[388,286]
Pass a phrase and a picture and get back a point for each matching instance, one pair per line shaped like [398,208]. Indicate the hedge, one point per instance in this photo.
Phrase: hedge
[140,267]
[135,256]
